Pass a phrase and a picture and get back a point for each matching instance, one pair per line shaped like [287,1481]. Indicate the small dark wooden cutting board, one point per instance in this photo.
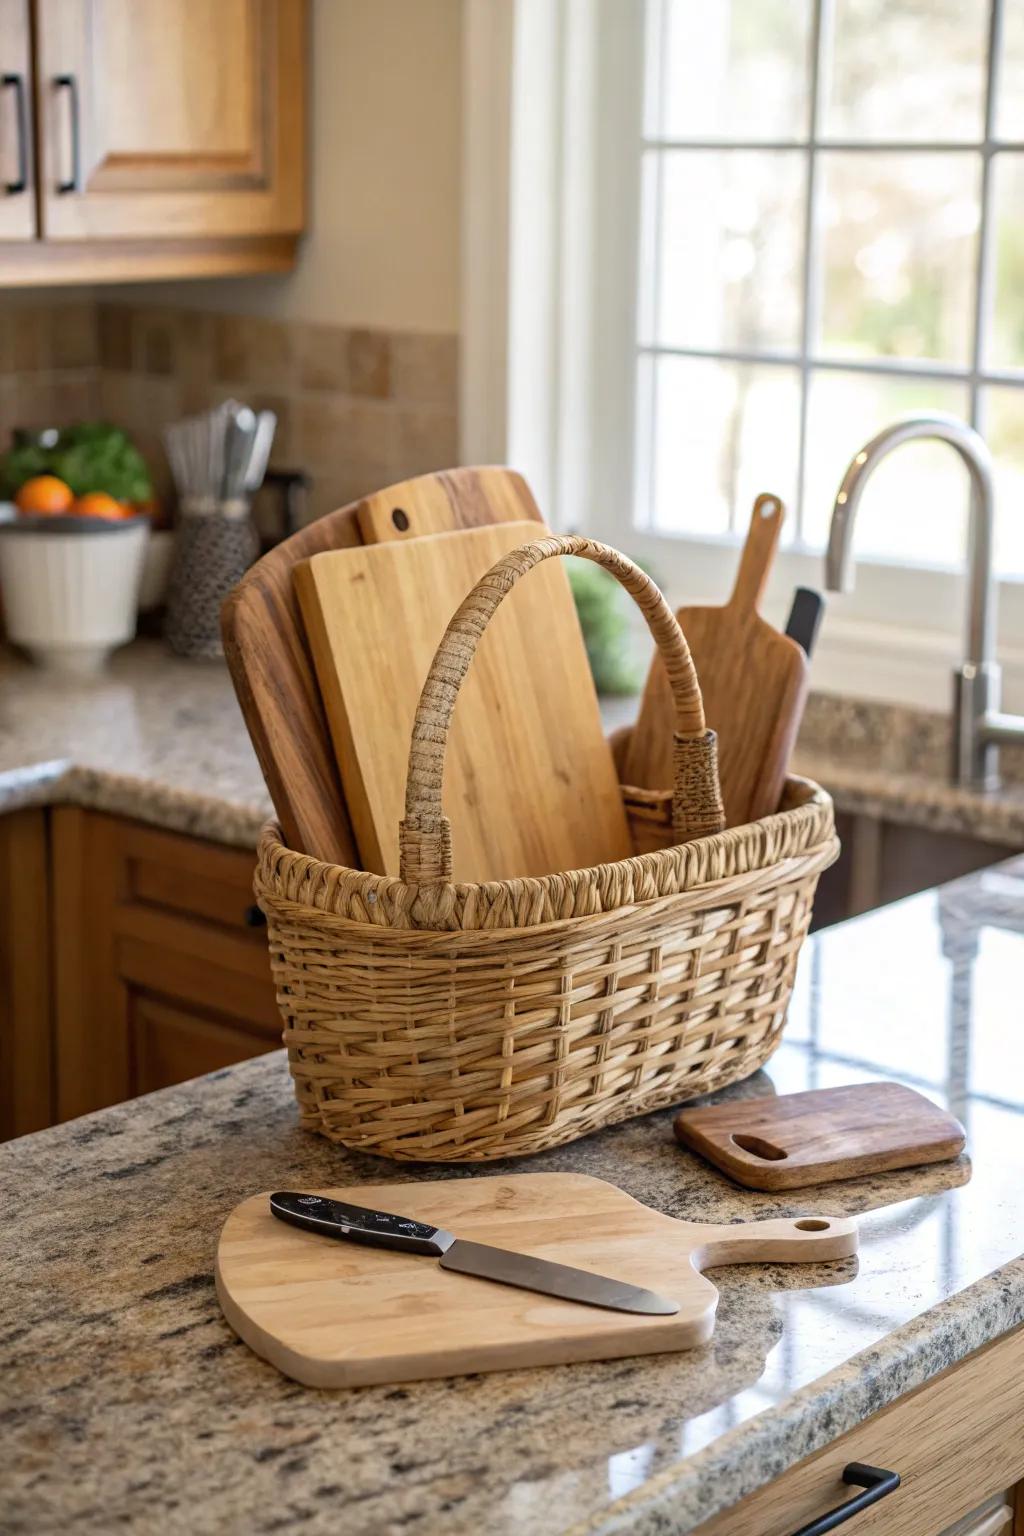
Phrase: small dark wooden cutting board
[797,1139]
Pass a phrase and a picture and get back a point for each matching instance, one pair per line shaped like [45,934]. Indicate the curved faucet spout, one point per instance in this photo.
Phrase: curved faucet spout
[979,724]
[981,606]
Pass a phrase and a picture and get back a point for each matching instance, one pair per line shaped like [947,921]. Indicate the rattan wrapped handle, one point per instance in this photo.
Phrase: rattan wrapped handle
[425,851]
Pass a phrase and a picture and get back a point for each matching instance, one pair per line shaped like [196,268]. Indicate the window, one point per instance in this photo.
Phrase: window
[832,235]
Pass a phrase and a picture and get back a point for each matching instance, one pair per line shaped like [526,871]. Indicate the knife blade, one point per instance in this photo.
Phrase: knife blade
[382,1229]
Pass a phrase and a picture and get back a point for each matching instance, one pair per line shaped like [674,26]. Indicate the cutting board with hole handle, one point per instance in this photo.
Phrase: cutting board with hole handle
[753,680]
[797,1139]
[530,785]
[268,655]
[336,1314]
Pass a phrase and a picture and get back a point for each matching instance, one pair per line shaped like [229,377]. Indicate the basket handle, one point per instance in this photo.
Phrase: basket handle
[425,853]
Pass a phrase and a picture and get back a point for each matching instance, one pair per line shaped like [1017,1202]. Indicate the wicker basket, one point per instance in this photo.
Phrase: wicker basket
[438,1021]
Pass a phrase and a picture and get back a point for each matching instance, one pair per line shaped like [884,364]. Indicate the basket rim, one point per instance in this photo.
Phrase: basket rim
[804,826]
[714,893]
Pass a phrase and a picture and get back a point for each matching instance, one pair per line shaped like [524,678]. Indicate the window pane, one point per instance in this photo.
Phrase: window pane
[1007,335]
[1010,98]
[723,433]
[736,70]
[907,69]
[731,249]
[1004,430]
[899,242]
[915,505]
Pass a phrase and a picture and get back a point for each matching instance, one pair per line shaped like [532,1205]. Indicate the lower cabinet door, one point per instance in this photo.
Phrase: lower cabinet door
[162,972]
[956,1443]
[993,1518]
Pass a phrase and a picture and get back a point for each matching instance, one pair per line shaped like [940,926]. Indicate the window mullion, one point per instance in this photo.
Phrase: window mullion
[811,285]
[986,243]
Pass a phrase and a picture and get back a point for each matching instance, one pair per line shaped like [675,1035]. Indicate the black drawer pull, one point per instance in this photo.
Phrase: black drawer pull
[876,1483]
[70,84]
[16,84]
[254,917]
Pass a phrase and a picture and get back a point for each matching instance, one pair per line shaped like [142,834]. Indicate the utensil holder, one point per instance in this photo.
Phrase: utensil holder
[429,1019]
[215,544]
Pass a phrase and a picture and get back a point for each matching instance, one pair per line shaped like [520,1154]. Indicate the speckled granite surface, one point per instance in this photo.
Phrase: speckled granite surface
[155,738]
[885,760]
[163,740]
[128,1403]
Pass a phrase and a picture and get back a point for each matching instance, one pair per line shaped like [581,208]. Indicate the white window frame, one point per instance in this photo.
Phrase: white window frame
[550,252]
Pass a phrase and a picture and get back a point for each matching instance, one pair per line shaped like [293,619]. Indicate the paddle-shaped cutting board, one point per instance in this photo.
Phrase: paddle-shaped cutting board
[796,1139]
[335,1314]
[530,785]
[753,681]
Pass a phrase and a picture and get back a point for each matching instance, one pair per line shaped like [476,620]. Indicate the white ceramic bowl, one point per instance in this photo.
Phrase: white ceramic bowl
[70,587]
[156,570]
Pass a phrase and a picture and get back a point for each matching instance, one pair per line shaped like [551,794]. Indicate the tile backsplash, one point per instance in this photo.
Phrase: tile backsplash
[356,408]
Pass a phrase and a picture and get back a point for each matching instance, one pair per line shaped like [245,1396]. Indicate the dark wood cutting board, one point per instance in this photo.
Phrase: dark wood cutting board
[796,1139]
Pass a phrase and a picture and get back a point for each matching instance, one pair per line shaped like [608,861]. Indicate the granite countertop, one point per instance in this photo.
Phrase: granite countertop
[163,740]
[127,1401]
[154,737]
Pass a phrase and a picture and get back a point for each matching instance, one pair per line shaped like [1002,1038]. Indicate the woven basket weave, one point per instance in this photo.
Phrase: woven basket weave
[433,1020]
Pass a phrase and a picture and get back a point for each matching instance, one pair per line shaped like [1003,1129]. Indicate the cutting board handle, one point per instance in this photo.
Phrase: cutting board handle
[425,835]
[758,553]
[785,1240]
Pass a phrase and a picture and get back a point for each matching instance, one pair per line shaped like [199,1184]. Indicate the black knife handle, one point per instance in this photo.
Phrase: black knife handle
[355,1224]
[804,618]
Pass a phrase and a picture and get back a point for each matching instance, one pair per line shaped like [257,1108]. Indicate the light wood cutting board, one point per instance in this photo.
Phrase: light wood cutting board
[753,680]
[334,1314]
[530,785]
[268,657]
[797,1139]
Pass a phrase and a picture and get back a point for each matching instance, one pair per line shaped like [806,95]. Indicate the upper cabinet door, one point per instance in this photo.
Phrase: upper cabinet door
[170,119]
[17,172]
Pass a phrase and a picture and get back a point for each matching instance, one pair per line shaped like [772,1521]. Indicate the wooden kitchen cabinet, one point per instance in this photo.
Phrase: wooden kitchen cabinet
[17,162]
[168,140]
[159,974]
[956,1442]
[26,1022]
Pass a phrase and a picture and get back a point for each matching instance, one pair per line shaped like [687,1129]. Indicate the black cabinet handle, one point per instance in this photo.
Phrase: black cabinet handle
[876,1482]
[69,83]
[16,83]
[254,917]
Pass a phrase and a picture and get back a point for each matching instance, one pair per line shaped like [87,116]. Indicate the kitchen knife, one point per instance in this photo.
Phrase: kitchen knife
[380,1229]
[804,618]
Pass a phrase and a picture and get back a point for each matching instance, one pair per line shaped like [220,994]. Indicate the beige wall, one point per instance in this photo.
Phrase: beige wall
[383,244]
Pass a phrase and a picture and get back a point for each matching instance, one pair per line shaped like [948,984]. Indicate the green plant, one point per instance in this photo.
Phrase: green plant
[92,456]
[604,614]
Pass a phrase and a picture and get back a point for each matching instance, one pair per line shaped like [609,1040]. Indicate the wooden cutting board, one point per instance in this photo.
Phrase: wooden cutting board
[754,683]
[797,1139]
[334,1314]
[268,656]
[530,784]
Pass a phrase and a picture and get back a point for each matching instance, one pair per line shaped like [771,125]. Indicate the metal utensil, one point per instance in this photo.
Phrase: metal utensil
[259,452]
[239,432]
[380,1229]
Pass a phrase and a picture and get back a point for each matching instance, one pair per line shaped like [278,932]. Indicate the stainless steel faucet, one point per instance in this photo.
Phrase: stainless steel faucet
[978,723]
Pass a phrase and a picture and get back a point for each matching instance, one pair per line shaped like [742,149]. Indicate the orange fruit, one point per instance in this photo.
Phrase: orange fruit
[45,494]
[99,504]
